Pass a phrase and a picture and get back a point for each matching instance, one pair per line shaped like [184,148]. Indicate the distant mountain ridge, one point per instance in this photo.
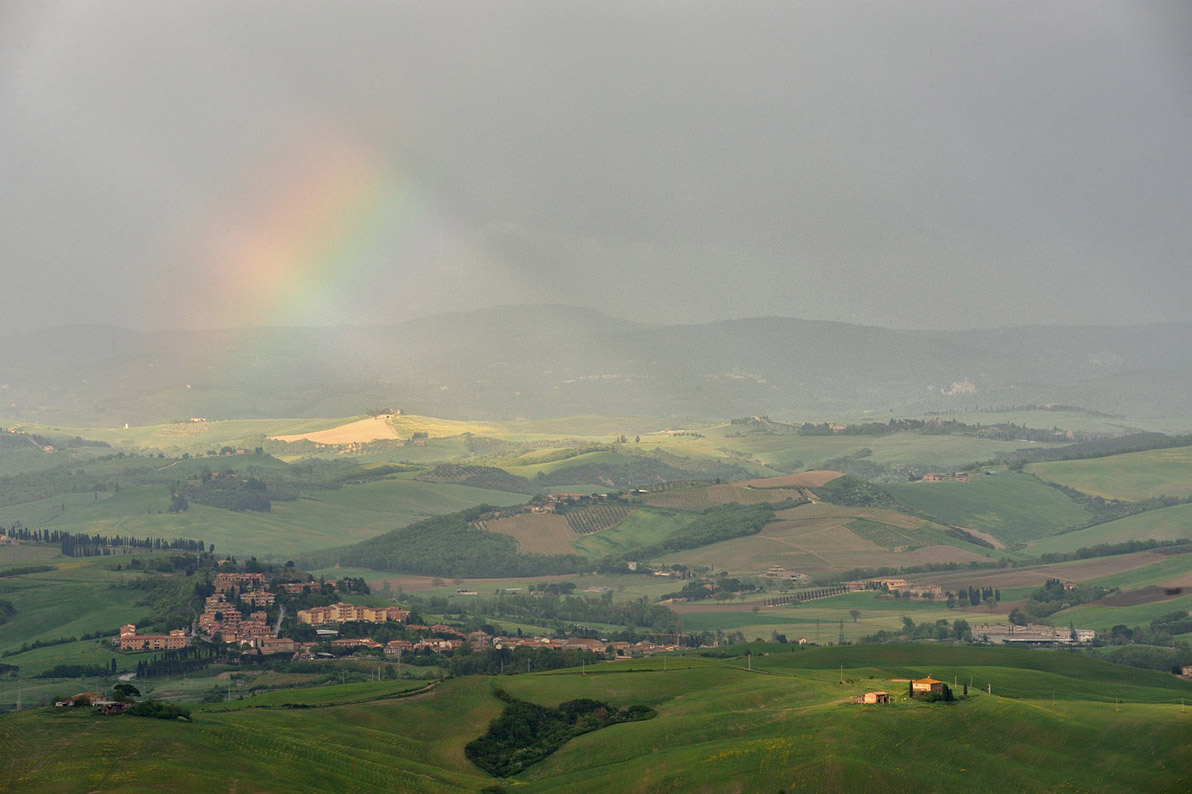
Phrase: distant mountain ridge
[539,361]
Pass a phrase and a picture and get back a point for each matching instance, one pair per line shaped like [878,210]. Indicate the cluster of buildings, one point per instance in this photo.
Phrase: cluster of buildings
[129,640]
[449,639]
[222,620]
[778,572]
[897,585]
[556,501]
[343,613]
[935,476]
[919,687]
[298,588]
[1032,635]
[236,583]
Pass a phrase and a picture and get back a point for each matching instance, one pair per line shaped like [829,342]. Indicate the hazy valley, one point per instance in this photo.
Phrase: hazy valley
[633,561]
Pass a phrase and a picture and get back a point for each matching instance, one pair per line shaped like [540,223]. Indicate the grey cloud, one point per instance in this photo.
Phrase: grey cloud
[912,164]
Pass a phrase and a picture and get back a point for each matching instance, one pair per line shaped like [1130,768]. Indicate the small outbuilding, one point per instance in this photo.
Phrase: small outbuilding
[877,697]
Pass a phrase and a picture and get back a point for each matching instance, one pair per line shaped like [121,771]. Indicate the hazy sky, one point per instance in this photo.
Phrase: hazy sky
[908,164]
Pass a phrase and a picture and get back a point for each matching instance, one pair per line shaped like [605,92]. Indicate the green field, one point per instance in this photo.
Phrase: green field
[79,596]
[1168,523]
[1076,421]
[1170,569]
[1012,507]
[944,451]
[822,620]
[1091,616]
[816,537]
[1050,724]
[188,437]
[644,526]
[1130,477]
[325,518]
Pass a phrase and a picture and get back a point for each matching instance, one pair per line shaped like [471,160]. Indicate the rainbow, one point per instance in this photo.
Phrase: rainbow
[315,239]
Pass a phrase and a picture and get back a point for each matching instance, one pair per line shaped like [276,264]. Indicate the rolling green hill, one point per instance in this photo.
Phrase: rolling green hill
[1014,508]
[1050,724]
[1168,523]
[815,538]
[321,519]
[1132,477]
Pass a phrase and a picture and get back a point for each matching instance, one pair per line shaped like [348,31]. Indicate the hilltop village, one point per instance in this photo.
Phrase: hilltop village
[249,613]
[280,614]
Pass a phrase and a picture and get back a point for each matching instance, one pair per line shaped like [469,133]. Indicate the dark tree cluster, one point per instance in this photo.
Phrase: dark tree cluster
[526,733]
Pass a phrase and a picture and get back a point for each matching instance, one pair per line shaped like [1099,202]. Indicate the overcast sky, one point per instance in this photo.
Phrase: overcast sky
[909,164]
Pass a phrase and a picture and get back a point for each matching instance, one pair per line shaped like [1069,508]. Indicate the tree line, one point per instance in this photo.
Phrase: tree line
[78,544]
[806,595]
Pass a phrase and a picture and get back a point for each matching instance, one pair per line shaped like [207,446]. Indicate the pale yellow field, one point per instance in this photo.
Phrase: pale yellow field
[376,428]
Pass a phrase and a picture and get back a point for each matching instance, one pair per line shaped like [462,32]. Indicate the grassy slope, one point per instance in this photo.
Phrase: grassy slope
[1134,476]
[1101,618]
[1076,421]
[816,538]
[720,729]
[530,469]
[330,518]
[210,435]
[898,448]
[643,526]
[1169,523]
[703,497]
[1169,569]
[1011,507]
[821,620]
[78,596]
